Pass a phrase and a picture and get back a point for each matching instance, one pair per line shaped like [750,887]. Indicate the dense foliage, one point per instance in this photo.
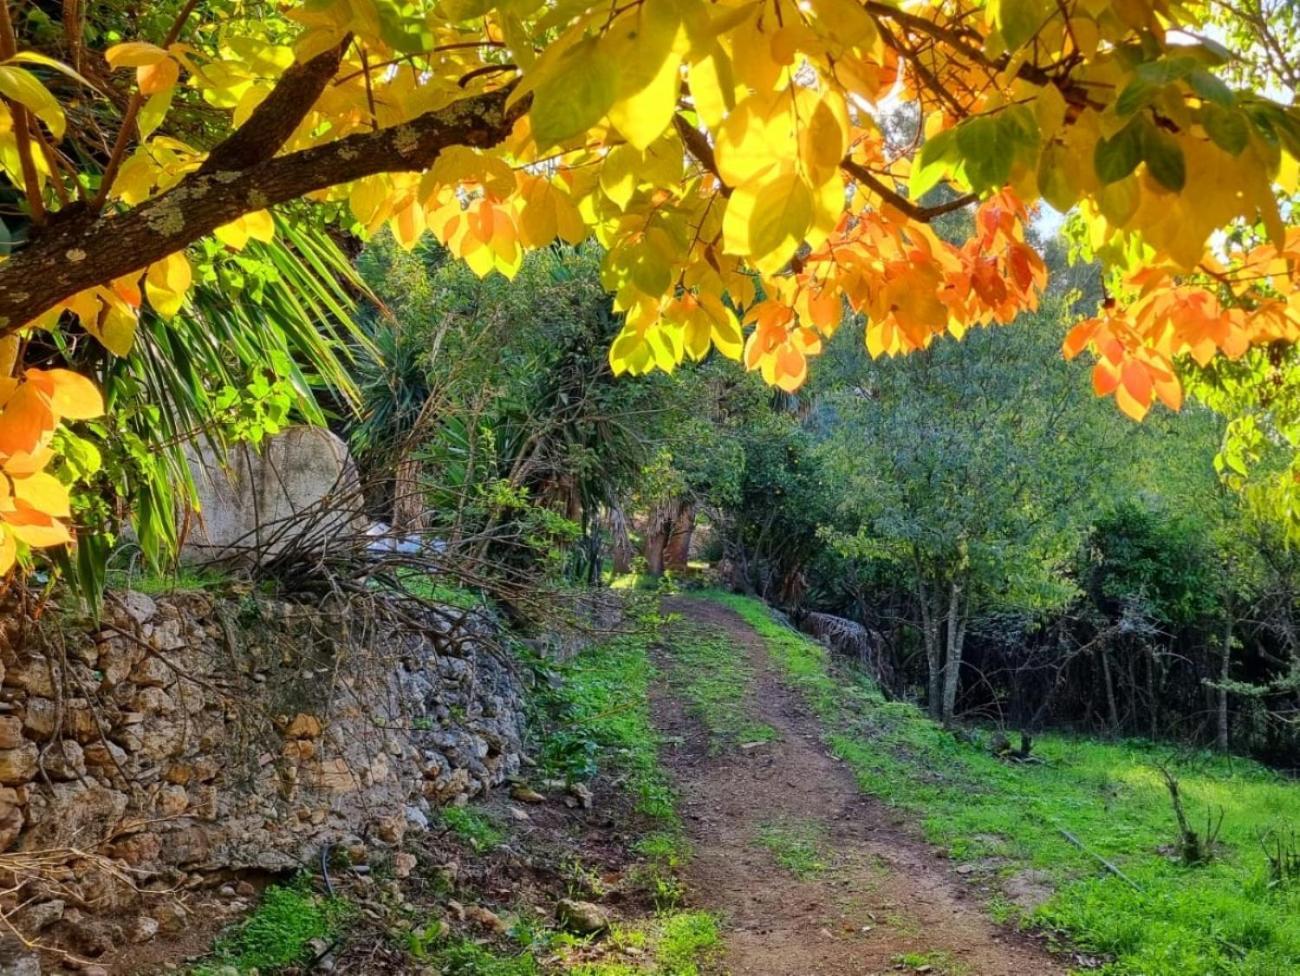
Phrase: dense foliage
[739,163]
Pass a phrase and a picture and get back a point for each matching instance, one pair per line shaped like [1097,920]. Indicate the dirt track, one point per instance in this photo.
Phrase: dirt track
[882,896]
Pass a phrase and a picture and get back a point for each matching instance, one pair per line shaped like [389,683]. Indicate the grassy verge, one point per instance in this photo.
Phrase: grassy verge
[593,716]
[1226,918]
[714,679]
[597,714]
[280,933]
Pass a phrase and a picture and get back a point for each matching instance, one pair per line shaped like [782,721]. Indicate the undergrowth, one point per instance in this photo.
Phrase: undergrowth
[1225,918]
[598,712]
[472,827]
[278,934]
[799,846]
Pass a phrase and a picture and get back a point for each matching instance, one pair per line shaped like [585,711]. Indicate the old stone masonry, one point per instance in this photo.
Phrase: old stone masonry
[193,736]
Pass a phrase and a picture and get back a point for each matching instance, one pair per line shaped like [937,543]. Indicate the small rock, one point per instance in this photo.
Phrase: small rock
[525,794]
[245,890]
[142,929]
[518,814]
[582,917]
[581,794]
[403,864]
[487,919]
[227,891]
[172,917]
[303,726]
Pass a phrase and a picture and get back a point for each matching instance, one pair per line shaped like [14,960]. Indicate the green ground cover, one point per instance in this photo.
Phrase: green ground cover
[1229,917]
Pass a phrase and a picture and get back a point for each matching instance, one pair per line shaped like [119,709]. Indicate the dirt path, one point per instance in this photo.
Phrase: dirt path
[880,896]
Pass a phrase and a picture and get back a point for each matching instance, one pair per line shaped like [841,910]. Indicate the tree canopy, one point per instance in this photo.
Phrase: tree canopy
[735,160]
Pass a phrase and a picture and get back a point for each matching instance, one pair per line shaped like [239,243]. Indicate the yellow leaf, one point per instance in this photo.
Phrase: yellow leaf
[166,282]
[154,111]
[21,86]
[37,529]
[134,54]
[713,87]
[72,396]
[767,219]
[644,47]
[43,492]
[8,550]
[155,79]
[135,179]
[761,134]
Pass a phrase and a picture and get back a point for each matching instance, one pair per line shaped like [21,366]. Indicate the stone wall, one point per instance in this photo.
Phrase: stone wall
[183,739]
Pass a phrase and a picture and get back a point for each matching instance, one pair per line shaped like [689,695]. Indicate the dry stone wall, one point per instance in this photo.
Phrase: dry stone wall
[186,738]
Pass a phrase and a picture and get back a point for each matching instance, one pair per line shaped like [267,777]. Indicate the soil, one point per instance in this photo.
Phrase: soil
[885,902]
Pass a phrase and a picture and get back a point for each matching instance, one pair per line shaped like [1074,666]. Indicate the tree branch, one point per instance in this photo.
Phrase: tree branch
[697,144]
[913,210]
[273,121]
[89,249]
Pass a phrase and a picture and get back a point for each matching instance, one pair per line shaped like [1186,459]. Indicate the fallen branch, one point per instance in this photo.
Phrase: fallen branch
[1093,854]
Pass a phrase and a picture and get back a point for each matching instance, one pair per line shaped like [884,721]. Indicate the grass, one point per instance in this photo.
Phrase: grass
[600,714]
[278,935]
[183,579]
[715,679]
[935,963]
[677,943]
[799,846]
[472,827]
[1221,919]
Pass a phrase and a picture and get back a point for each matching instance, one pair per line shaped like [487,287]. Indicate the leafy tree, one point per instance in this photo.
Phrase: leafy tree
[728,156]
[967,470]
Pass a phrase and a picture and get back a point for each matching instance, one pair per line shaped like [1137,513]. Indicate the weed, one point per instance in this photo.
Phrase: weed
[798,846]
[936,963]
[472,827]
[278,934]
[600,712]
[714,677]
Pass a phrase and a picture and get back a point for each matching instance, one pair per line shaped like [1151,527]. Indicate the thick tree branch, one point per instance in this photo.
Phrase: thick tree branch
[273,121]
[90,250]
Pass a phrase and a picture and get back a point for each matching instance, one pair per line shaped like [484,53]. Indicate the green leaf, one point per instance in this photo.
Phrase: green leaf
[1019,20]
[1137,94]
[1229,129]
[1053,181]
[1211,88]
[1119,155]
[1164,158]
[932,163]
[987,146]
[575,95]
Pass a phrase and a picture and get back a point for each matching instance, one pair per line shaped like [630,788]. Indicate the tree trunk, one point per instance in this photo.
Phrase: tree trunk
[1112,710]
[952,667]
[1225,664]
[933,652]
[621,549]
[408,498]
[677,550]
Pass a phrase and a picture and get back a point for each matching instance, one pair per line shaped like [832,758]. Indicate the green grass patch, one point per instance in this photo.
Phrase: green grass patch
[1220,919]
[472,827]
[935,963]
[676,943]
[277,935]
[714,678]
[599,714]
[799,846]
